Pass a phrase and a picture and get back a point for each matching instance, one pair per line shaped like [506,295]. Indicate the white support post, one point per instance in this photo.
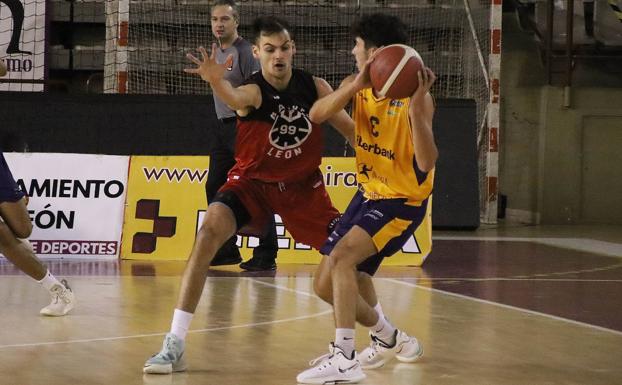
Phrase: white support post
[494,74]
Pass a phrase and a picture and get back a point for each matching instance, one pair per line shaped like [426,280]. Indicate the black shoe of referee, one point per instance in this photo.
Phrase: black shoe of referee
[260,263]
[228,254]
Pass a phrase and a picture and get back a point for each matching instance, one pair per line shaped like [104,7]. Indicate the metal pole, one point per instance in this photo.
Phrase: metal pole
[569,44]
[550,8]
[569,40]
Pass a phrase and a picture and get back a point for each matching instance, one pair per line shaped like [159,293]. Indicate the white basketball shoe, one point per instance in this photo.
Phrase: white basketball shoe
[333,368]
[378,353]
[169,359]
[63,300]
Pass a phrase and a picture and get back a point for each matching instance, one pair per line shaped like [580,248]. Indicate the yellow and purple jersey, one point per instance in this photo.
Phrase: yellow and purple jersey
[385,155]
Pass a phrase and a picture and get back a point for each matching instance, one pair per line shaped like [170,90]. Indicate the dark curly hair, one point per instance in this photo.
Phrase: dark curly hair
[379,29]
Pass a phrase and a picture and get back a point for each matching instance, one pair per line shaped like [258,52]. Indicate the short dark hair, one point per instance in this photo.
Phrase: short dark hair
[379,29]
[267,25]
[230,3]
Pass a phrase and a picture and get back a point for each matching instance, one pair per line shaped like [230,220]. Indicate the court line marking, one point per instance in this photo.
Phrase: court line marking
[578,244]
[284,288]
[460,279]
[248,325]
[465,279]
[537,277]
[510,307]
[592,270]
[526,279]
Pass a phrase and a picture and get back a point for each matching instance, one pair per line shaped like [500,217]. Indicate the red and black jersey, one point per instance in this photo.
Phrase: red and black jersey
[277,142]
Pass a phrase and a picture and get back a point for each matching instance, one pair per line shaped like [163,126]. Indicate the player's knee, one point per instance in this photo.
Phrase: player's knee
[213,232]
[322,288]
[340,258]
[208,230]
[344,252]
[7,237]
[22,230]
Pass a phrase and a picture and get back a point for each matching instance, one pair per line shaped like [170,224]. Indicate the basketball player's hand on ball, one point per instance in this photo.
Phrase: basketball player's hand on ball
[362,79]
[426,79]
[208,68]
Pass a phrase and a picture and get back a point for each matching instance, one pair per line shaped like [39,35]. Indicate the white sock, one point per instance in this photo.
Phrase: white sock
[378,310]
[181,323]
[384,330]
[49,281]
[344,338]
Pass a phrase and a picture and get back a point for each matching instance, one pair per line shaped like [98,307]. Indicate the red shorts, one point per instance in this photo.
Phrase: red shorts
[304,206]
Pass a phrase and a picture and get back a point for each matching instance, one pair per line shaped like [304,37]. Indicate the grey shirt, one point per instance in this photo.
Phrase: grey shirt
[244,65]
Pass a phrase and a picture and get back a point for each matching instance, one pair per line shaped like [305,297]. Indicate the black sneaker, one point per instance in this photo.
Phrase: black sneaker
[259,263]
[228,254]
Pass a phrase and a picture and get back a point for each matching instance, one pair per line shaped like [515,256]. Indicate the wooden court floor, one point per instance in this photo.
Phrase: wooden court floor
[491,307]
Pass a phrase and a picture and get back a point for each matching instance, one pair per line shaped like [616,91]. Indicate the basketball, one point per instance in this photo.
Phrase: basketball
[394,70]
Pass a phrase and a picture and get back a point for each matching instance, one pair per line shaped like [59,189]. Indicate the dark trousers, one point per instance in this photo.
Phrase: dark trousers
[222,159]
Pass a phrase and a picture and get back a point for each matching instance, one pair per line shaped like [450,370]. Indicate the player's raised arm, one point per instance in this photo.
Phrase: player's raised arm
[239,98]
[421,112]
[340,120]
[330,104]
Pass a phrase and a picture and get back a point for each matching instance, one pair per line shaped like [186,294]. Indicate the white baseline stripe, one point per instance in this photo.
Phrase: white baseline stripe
[415,279]
[248,325]
[513,279]
[284,288]
[163,334]
[580,244]
[541,276]
[578,323]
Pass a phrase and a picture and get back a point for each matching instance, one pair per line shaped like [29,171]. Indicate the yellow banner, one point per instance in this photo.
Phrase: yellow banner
[164,197]
[166,203]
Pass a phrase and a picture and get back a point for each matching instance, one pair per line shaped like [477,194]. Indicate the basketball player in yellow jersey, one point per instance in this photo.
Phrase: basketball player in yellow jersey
[395,156]
[385,156]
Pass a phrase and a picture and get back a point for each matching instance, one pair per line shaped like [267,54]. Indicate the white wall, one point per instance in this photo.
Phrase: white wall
[552,157]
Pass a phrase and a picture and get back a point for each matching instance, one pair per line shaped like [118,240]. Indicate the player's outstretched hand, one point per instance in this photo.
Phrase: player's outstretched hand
[208,68]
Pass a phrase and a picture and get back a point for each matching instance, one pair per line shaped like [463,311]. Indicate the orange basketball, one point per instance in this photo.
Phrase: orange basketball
[394,70]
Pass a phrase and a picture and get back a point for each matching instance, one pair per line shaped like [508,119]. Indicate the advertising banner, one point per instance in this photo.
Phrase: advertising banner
[22,43]
[164,199]
[166,203]
[76,202]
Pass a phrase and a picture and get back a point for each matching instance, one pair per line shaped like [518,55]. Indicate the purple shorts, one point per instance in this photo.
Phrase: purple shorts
[390,222]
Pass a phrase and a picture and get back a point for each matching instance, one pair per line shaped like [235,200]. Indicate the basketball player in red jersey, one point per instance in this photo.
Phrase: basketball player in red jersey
[278,154]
